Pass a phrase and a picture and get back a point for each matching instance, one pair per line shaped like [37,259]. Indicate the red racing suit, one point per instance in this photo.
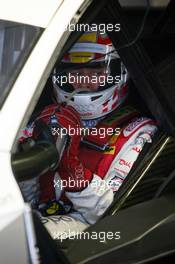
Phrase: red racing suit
[88,178]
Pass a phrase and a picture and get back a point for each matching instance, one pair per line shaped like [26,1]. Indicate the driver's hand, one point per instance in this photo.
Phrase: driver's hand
[71,170]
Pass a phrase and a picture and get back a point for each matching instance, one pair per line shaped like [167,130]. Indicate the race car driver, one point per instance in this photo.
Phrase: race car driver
[90,85]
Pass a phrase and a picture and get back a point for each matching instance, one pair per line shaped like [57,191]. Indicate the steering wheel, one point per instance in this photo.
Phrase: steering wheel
[36,158]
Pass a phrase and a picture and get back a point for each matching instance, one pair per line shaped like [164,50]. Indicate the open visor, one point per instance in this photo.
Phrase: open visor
[94,76]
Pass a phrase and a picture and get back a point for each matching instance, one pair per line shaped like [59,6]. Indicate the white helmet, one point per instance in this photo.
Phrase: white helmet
[103,89]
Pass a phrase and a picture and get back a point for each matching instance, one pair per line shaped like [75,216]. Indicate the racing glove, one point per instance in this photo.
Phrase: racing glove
[74,175]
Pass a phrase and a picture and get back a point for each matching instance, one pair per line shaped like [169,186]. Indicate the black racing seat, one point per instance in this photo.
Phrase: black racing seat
[151,64]
[151,175]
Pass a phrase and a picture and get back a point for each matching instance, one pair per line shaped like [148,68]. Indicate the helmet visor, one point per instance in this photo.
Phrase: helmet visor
[90,77]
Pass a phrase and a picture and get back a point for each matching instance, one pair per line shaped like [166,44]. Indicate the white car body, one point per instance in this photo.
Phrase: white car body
[53,16]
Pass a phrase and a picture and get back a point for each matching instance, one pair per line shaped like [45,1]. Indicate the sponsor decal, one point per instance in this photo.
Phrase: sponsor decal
[123,162]
[111,150]
[115,183]
[134,126]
